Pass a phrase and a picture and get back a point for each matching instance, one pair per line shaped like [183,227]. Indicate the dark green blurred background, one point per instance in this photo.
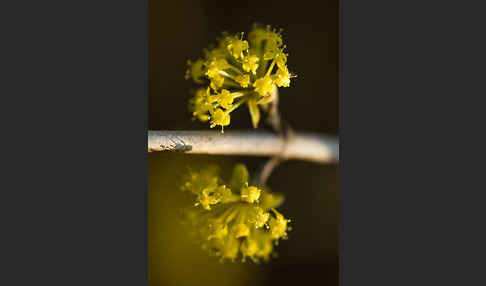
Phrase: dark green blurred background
[180,30]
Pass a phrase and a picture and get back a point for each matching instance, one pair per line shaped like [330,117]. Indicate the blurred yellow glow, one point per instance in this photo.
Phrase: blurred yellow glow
[174,258]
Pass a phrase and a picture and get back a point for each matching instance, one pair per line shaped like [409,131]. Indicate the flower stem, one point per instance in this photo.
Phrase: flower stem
[270,68]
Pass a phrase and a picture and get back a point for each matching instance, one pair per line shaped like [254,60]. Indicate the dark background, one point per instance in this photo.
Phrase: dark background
[180,30]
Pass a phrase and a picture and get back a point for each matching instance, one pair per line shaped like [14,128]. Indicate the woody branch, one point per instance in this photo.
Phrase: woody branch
[313,147]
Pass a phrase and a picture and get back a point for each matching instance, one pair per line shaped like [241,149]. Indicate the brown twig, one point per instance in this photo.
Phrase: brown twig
[302,146]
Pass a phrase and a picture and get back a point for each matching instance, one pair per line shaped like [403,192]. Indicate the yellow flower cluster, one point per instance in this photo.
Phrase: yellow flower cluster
[235,220]
[239,71]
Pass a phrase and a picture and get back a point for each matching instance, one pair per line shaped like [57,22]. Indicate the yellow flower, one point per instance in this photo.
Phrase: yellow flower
[199,106]
[264,85]
[282,77]
[250,63]
[279,57]
[217,82]
[243,80]
[231,225]
[236,47]
[216,72]
[216,66]
[242,67]
[219,117]
[196,71]
[272,38]
[225,99]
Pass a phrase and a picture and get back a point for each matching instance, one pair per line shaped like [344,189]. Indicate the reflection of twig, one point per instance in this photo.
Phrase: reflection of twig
[283,129]
[266,170]
[287,135]
[302,146]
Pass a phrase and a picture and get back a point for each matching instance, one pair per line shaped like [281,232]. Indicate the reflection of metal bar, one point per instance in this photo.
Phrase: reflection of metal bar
[302,146]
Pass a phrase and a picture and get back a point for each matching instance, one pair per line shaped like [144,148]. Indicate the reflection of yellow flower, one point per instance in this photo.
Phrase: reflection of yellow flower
[278,225]
[244,67]
[240,230]
[229,225]
[261,217]
[250,194]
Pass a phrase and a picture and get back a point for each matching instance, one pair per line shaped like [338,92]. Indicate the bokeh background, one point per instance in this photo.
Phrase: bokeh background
[180,30]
